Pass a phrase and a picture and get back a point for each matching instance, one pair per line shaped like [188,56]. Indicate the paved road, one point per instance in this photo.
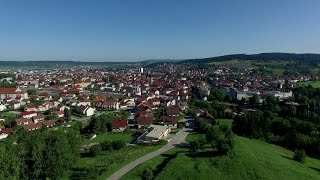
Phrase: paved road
[178,140]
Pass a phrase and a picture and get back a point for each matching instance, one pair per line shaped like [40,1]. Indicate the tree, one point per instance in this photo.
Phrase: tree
[117,145]
[201,125]
[96,125]
[106,146]
[95,150]
[299,155]
[147,174]
[32,91]
[195,146]
[39,154]
[217,94]
[292,111]
[212,135]
[78,126]
[254,100]
[67,114]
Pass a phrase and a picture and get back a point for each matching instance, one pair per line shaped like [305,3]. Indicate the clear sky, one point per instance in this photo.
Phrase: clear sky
[131,30]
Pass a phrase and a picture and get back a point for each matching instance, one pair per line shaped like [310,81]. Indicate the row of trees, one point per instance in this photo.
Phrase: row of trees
[106,146]
[102,123]
[39,154]
[220,137]
[215,109]
[291,133]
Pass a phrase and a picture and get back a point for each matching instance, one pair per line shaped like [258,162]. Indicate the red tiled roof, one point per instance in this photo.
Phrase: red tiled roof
[172,110]
[6,131]
[141,114]
[32,126]
[27,113]
[144,121]
[170,120]
[21,120]
[116,124]
[38,117]
[48,123]
[9,91]
[58,112]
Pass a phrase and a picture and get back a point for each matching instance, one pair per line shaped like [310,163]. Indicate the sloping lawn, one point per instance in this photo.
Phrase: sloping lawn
[251,159]
[126,137]
[315,84]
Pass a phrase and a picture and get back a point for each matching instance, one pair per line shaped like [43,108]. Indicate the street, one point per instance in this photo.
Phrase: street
[177,140]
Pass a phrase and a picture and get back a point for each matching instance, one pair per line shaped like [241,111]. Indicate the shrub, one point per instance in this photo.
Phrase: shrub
[106,146]
[224,145]
[127,130]
[117,145]
[299,155]
[162,142]
[195,146]
[147,174]
[95,150]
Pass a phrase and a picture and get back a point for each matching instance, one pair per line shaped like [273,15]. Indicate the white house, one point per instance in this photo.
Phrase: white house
[282,95]
[12,93]
[2,107]
[86,110]
[3,135]
[158,132]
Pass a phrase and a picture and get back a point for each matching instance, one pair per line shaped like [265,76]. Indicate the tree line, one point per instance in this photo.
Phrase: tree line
[39,154]
[294,123]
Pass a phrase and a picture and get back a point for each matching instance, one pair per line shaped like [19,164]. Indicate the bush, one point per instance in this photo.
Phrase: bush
[127,130]
[225,145]
[162,142]
[299,155]
[117,145]
[95,150]
[106,146]
[147,174]
[195,146]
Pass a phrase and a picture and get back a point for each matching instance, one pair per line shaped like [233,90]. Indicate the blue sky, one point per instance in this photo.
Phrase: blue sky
[131,30]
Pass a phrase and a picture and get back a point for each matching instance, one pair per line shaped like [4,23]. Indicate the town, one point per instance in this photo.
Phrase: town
[150,95]
[139,109]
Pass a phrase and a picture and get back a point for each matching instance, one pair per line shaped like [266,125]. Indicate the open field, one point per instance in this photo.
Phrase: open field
[107,162]
[227,122]
[235,61]
[315,84]
[251,159]
[109,136]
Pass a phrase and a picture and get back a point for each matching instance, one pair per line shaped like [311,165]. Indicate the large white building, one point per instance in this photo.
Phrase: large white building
[282,95]
[12,93]
[158,132]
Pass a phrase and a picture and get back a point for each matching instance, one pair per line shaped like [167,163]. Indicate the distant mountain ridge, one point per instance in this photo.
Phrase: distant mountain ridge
[304,58]
[307,58]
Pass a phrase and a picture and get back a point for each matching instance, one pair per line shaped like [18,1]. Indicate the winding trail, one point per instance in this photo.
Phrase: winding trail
[177,140]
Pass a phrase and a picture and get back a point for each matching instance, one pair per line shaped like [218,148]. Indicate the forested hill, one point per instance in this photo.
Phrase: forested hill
[307,58]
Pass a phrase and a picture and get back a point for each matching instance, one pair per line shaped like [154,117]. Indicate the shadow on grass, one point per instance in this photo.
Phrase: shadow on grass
[87,173]
[182,145]
[290,158]
[204,154]
[164,163]
[316,169]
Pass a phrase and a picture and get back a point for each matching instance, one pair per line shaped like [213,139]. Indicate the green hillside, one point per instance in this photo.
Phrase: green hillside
[251,159]
[304,58]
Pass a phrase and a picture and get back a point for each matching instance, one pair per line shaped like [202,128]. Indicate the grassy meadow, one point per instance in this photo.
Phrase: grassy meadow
[251,159]
[315,84]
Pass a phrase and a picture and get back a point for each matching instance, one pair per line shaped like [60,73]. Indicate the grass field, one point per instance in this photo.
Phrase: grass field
[251,159]
[315,84]
[126,137]
[227,122]
[107,162]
